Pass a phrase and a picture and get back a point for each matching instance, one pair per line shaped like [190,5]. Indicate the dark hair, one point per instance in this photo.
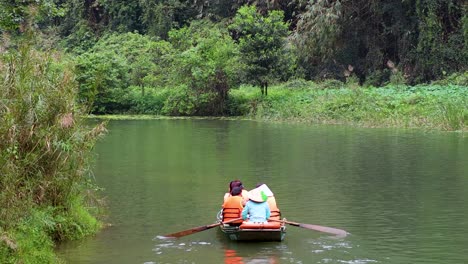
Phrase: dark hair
[236,191]
[235,183]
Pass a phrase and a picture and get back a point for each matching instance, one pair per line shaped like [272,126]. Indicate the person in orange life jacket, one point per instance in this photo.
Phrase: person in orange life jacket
[237,183]
[256,210]
[232,206]
[275,211]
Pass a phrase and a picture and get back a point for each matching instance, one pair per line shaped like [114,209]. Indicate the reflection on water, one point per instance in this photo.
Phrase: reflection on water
[268,254]
[402,194]
[231,257]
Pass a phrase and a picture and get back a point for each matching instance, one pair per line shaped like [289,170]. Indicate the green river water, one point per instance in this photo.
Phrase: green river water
[401,194]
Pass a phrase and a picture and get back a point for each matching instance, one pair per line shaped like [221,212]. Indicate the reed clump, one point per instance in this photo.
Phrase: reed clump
[44,156]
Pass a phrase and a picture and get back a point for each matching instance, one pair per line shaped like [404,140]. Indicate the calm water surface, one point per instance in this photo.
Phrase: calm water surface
[402,194]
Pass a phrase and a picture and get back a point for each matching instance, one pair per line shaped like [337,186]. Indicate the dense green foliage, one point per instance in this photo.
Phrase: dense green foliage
[419,40]
[15,14]
[262,43]
[117,62]
[197,65]
[204,68]
[183,57]
[44,156]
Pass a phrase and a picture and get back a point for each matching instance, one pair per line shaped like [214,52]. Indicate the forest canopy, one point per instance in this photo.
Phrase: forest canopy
[423,39]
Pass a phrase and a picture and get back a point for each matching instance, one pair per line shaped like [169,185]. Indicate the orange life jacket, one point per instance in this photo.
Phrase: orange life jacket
[245,196]
[232,208]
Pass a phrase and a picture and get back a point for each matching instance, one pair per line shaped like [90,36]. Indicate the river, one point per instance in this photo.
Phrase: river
[401,194]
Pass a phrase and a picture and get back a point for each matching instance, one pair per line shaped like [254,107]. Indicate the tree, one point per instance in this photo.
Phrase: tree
[116,62]
[263,46]
[207,63]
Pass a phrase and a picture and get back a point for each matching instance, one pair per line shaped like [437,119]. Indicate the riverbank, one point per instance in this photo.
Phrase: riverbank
[33,238]
[425,106]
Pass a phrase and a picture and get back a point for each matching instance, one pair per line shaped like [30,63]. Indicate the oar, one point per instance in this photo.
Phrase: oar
[325,229]
[198,229]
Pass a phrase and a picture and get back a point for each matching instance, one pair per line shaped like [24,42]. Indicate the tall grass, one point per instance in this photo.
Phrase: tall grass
[454,117]
[44,156]
[424,106]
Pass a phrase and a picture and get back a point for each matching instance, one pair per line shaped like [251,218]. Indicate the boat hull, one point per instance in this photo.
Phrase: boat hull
[237,233]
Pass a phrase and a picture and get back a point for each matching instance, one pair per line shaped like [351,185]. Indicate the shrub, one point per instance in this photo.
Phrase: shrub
[298,84]
[180,101]
[44,154]
[460,78]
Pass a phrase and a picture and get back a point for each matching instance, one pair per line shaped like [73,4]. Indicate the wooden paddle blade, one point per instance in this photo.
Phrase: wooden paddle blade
[198,229]
[189,231]
[325,229]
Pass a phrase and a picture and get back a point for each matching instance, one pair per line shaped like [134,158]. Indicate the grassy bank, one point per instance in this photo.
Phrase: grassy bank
[424,106]
[32,239]
[441,107]
[46,194]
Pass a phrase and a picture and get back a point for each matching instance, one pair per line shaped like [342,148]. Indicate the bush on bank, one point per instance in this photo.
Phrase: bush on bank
[45,157]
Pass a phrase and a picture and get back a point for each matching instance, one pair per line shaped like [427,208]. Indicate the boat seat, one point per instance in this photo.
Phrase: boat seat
[268,225]
[276,215]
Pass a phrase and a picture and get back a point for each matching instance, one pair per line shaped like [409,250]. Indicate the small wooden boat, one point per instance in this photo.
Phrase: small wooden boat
[271,231]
